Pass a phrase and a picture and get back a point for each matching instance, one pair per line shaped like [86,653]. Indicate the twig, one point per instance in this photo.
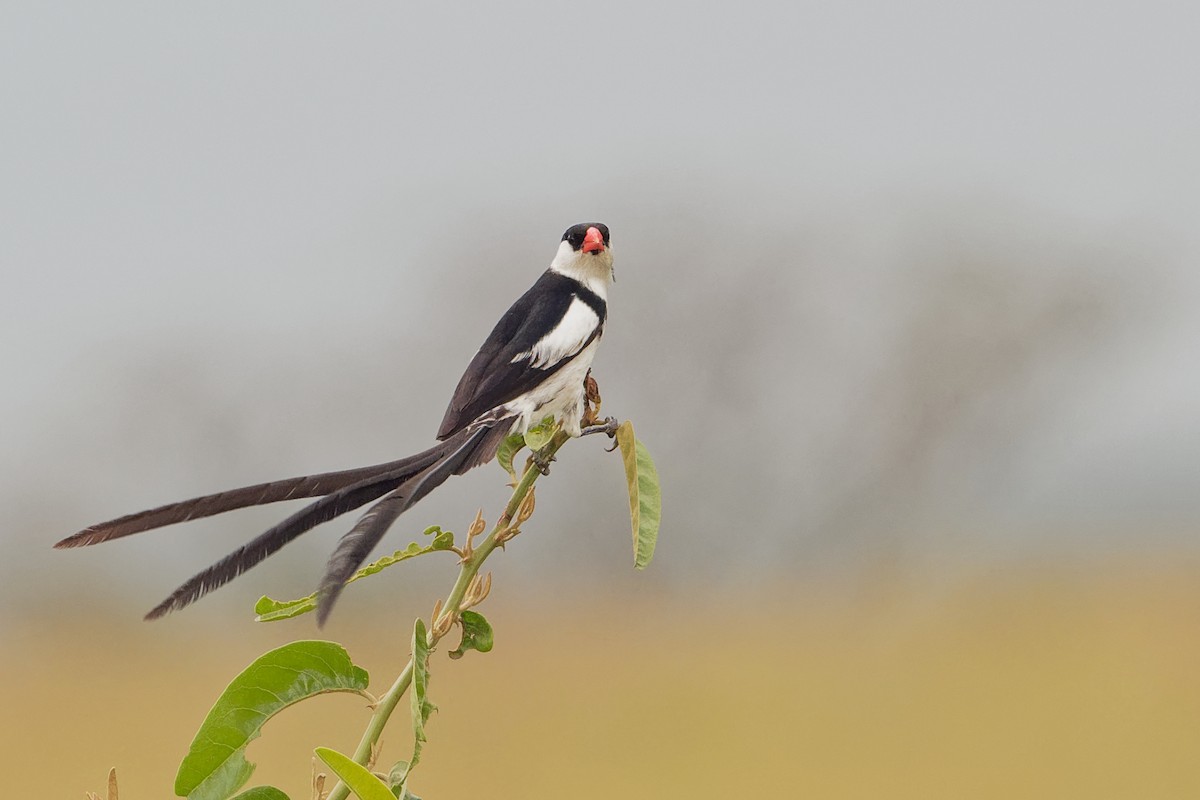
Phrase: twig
[452,607]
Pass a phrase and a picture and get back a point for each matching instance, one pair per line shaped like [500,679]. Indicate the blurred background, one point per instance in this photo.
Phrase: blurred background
[905,310]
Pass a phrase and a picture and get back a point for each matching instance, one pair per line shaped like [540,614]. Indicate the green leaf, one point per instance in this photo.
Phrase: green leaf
[396,781]
[396,777]
[476,634]
[645,496]
[360,779]
[508,450]
[269,610]
[419,699]
[215,766]
[262,793]
[540,435]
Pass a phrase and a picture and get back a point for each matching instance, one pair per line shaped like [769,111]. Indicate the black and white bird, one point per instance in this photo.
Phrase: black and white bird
[533,365]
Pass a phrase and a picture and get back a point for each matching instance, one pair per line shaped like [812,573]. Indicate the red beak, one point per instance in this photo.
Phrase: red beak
[593,241]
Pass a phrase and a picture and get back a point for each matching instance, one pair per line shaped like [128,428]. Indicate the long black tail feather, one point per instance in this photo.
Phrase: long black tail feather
[354,547]
[332,505]
[258,494]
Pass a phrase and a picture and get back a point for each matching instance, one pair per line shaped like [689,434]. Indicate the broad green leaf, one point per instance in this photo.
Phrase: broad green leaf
[215,766]
[645,496]
[476,634]
[262,793]
[540,435]
[419,698]
[508,450]
[270,610]
[355,775]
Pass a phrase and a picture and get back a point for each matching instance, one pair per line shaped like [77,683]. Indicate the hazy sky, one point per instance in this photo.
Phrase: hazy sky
[249,239]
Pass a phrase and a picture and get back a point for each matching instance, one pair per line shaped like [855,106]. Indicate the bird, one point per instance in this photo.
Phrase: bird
[532,366]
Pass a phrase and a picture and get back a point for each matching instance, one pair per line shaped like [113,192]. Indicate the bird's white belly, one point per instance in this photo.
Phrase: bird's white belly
[561,396]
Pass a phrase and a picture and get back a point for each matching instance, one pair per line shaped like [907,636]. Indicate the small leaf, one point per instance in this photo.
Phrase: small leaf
[443,541]
[540,435]
[262,793]
[270,610]
[360,779]
[396,777]
[476,634]
[507,451]
[215,766]
[645,496]
[396,781]
[419,699]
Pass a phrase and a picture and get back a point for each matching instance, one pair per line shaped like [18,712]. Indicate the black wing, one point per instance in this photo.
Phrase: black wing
[493,376]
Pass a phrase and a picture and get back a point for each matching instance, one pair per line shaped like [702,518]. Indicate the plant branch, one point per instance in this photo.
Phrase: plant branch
[469,568]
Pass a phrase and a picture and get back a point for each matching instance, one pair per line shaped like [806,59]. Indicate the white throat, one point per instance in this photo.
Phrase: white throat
[593,271]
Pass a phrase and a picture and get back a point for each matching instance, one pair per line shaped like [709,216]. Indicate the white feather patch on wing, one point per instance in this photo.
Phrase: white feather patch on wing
[565,339]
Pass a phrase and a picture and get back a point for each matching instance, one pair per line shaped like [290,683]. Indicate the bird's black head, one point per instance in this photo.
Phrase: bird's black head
[590,237]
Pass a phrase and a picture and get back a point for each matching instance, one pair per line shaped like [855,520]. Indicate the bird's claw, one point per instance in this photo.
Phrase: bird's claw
[608,427]
[542,462]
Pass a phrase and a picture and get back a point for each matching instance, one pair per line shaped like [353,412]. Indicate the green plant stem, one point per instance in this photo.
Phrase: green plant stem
[467,572]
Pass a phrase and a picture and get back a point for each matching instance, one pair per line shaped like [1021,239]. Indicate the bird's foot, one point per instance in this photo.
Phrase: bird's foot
[608,427]
[541,460]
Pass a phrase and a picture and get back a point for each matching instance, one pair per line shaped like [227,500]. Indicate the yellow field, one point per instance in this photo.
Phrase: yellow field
[1047,687]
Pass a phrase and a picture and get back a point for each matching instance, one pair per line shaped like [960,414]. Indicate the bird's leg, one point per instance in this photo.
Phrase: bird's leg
[541,459]
[608,426]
